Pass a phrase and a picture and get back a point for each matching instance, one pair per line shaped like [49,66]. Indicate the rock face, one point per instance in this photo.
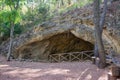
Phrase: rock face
[70,32]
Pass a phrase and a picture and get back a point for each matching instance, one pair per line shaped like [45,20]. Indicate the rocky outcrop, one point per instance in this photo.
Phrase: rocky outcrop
[69,32]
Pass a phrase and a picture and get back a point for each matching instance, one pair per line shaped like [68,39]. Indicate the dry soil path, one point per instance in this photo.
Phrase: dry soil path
[16,70]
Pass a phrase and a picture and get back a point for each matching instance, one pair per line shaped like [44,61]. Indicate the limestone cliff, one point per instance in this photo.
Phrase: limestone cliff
[69,32]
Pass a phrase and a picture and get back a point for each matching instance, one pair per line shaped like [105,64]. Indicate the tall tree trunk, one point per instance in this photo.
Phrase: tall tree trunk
[11,42]
[96,53]
[102,19]
[99,22]
[12,24]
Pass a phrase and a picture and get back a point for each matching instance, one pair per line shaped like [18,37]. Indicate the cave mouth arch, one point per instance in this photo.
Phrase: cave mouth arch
[65,42]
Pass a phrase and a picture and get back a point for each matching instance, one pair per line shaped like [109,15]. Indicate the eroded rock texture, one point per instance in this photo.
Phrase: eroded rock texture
[70,32]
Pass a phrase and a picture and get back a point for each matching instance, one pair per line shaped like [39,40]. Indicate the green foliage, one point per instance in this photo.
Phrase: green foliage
[5,29]
[9,16]
[42,10]
[43,6]
[17,29]
[35,15]
[32,12]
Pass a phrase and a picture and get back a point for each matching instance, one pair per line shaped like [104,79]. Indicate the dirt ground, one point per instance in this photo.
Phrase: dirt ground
[15,70]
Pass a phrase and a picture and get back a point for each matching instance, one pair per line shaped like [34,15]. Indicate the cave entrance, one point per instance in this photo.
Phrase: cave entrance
[67,47]
[67,42]
[58,44]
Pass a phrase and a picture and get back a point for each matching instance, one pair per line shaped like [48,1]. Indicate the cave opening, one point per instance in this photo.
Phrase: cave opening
[60,43]
[67,42]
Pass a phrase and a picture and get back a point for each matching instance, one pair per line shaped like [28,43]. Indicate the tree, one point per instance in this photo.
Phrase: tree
[99,23]
[12,19]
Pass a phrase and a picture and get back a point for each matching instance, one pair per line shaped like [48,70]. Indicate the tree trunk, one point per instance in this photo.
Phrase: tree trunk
[100,46]
[12,24]
[11,42]
[98,33]
[102,19]
[96,53]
